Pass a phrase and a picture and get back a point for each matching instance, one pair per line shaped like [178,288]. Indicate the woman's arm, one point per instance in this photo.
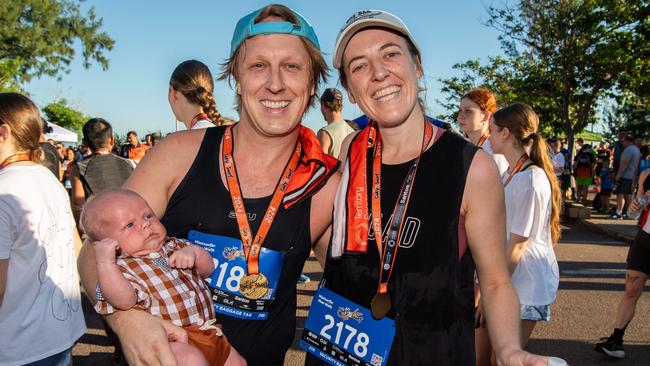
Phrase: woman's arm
[514,250]
[484,210]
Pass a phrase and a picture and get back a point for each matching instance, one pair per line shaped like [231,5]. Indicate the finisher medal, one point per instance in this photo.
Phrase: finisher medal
[380,305]
[254,286]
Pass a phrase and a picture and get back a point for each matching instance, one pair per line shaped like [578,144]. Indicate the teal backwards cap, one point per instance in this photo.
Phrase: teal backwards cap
[246,28]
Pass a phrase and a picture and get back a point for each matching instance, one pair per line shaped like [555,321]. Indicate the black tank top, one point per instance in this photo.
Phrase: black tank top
[432,291]
[202,202]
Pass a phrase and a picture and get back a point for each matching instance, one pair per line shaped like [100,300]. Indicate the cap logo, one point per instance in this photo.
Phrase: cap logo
[363,14]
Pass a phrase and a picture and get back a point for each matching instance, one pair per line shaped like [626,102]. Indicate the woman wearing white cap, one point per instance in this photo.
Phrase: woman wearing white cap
[416,209]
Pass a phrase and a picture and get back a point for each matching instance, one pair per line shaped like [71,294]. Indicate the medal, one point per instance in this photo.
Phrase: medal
[380,305]
[254,286]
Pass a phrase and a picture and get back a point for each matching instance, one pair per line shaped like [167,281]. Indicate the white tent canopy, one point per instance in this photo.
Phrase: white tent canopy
[60,134]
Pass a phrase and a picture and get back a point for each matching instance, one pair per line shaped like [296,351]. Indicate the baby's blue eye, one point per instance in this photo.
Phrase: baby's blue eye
[148,217]
[129,225]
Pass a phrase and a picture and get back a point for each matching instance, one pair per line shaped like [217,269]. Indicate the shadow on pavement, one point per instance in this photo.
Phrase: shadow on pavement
[579,353]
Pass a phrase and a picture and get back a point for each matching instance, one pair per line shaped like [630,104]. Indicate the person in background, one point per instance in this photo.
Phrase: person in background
[103,170]
[66,165]
[476,110]
[605,178]
[583,169]
[618,149]
[190,96]
[40,302]
[331,136]
[51,159]
[533,206]
[636,276]
[133,149]
[625,177]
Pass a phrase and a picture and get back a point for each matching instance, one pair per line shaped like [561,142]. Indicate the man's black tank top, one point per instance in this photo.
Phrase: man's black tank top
[203,203]
[432,290]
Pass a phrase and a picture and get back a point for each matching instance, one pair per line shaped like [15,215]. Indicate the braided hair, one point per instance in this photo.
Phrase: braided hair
[193,79]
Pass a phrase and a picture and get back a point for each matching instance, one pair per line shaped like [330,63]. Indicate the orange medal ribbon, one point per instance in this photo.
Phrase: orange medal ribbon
[197,118]
[483,138]
[389,252]
[15,158]
[518,166]
[252,246]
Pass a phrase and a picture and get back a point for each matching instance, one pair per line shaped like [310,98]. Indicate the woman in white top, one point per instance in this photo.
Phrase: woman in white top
[40,305]
[533,202]
[476,110]
[190,96]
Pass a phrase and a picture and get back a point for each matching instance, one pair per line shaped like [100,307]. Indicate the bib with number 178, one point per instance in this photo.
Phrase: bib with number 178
[342,333]
[230,266]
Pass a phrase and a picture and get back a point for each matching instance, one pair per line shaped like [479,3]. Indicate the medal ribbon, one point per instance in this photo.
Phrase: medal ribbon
[484,137]
[389,252]
[15,158]
[197,118]
[518,166]
[252,245]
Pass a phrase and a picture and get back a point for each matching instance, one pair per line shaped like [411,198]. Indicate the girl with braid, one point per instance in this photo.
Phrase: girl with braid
[190,96]
[533,202]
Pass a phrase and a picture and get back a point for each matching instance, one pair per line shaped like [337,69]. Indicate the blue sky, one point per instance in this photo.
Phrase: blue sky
[152,37]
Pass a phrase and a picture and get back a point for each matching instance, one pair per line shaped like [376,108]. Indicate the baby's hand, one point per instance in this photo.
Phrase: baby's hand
[183,258]
[106,250]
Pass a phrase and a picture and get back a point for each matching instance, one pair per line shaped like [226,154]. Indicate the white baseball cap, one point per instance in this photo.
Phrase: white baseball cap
[365,19]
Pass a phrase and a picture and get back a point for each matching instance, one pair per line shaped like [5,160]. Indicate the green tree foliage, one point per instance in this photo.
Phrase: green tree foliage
[62,114]
[37,38]
[629,116]
[562,57]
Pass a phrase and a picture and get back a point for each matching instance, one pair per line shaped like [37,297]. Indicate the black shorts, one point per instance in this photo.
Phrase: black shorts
[605,192]
[638,257]
[623,186]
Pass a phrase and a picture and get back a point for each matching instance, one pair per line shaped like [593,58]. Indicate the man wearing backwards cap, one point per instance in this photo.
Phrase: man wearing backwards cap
[415,273]
[276,66]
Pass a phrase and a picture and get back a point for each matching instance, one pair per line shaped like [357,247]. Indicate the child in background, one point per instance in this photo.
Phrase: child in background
[605,177]
[161,275]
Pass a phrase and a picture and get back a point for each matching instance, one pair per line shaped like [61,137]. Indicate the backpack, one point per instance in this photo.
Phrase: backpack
[583,159]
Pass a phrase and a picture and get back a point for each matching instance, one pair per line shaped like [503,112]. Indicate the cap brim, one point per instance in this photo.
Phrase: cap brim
[342,42]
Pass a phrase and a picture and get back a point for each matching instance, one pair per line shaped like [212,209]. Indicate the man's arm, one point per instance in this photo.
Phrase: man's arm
[622,165]
[325,140]
[484,210]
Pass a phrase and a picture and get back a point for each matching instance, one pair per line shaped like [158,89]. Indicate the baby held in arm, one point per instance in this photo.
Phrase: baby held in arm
[139,267]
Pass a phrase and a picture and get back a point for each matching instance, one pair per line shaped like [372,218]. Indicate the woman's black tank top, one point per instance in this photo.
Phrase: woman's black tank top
[201,202]
[431,288]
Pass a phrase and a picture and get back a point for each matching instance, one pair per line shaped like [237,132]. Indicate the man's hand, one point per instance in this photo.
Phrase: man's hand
[183,258]
[145,338]
[106,250]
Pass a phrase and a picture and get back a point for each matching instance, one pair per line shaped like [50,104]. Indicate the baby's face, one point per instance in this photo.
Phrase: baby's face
[131,222]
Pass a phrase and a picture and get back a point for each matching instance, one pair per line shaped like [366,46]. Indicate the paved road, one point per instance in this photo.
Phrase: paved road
[592,276]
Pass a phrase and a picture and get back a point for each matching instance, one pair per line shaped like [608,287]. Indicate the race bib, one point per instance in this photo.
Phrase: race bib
[342,333]
[229,267]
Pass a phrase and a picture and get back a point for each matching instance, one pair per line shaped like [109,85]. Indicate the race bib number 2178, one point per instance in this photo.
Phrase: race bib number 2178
[342,333]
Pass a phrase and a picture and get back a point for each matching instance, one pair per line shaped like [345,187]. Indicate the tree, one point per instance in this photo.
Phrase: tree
[37,38]
[563,56]
[628,116]
[65,116]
